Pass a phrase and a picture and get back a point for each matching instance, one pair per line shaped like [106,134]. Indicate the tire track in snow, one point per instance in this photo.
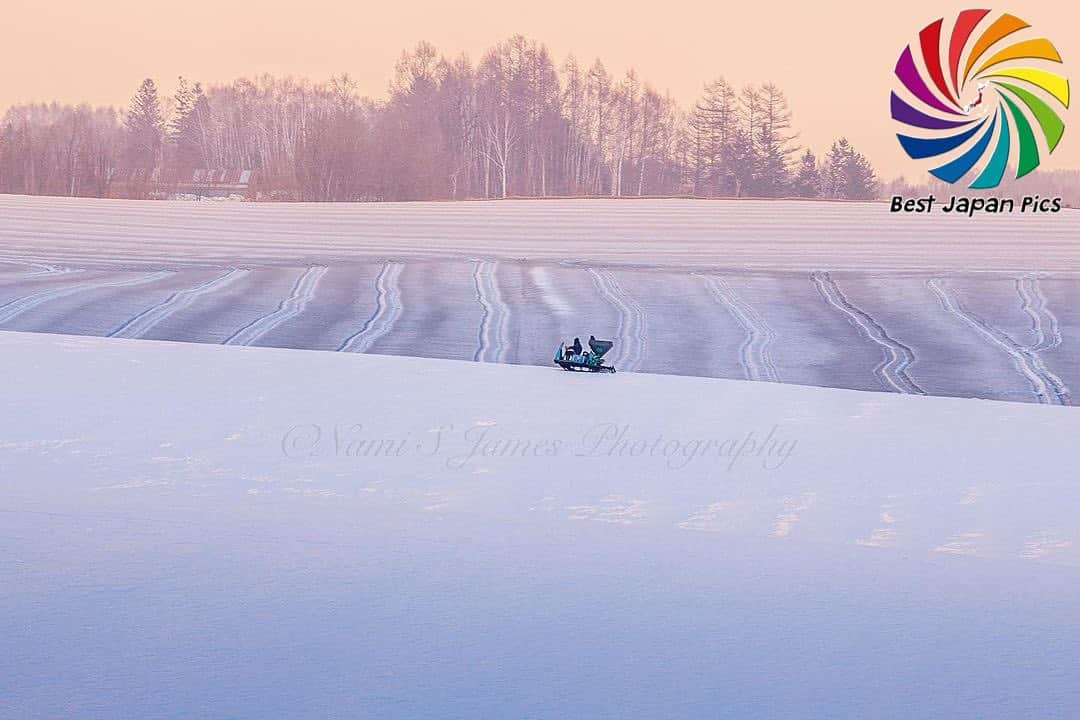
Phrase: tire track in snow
[143,322]
[493,335]
[631,319]
[387,311]
[1047,331]
[302,293]
[43,269]
[17,307]
[1046,386]
[892,372]
[754,352]
[1035,305]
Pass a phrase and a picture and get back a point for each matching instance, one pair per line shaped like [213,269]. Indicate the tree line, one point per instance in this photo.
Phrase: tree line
[514,125]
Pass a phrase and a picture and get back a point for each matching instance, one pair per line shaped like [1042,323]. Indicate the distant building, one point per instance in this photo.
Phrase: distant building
[216,183]
[201,183]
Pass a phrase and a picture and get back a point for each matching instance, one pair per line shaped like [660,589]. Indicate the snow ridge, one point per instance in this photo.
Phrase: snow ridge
[18,306]
[147,319]
[631,319]
[302,293]
[1046,385]
[493,334]
[754,352]
[892,372]
[387,311]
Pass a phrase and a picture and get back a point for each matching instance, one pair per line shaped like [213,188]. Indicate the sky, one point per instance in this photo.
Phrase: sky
[833,58]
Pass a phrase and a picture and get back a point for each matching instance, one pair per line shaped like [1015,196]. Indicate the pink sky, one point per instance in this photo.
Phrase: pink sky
[834,59]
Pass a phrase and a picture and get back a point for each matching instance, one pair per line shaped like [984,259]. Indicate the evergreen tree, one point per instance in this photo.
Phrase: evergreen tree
[145,128]
[743,161]
[185,150]
[182,102]
[807,180]
[848,174]
[772,178]
[860,180]
[832,173]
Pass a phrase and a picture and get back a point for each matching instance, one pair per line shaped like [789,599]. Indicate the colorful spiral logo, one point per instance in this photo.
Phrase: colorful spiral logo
[982,106]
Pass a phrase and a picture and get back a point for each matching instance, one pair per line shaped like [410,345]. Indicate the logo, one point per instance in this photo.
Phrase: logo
[979,96]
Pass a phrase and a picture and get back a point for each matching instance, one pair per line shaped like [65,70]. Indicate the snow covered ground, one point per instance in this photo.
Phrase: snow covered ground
[828,294]
[213,531]
[671,233]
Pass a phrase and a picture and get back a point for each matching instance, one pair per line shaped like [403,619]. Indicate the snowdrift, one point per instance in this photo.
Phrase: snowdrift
[222,531]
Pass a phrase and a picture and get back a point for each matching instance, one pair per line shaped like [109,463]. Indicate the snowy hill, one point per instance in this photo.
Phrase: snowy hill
[201,530]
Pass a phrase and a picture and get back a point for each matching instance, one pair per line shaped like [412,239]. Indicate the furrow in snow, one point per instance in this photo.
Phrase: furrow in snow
[631,319]
[754,353]
[492,336]
[898,357]
[302,293]
[147,319]
[387,311]
[1045,385]
[18,306]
